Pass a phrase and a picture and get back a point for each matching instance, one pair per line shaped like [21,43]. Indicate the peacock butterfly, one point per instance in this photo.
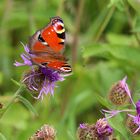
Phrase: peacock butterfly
[47,45]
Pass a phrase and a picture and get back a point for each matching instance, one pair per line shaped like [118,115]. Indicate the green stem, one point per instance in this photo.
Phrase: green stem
[19,91]
[130,22]
[60,8]
[78,18]
[105,23]
[137,37]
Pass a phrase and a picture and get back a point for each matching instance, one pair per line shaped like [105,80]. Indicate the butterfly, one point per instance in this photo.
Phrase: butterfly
[47,46]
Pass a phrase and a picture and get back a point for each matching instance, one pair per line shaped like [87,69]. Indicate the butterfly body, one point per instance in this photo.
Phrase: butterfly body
[47,46]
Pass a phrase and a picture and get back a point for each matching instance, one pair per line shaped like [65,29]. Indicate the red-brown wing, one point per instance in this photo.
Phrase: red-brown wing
[62,67]
[41,58]
[37,46]
[50,38]
[56,62]
[54,34]
[55,40]
[47,44]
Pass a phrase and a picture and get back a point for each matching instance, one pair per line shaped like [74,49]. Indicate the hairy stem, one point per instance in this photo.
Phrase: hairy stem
[18,92]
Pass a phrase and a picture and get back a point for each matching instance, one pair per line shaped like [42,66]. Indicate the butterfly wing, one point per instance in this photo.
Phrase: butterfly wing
[54,34]
[50,38]
[46,46]
[57,63]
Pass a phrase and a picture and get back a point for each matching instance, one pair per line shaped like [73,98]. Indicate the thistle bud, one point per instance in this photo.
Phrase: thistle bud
[119,93]
[132,126]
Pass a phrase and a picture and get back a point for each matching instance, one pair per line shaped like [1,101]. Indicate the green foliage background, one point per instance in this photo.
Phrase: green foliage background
[103,45]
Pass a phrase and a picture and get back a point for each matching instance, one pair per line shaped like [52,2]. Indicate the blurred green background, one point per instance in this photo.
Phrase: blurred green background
[103,46]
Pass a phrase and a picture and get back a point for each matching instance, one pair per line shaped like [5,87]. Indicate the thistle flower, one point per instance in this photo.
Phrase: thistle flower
[133,122]
[99,131]
[103,128]
[120,93]
[39,79]
[26,57]
[45,133]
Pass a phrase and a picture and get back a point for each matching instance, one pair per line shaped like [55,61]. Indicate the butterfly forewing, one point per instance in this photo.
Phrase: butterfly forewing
[54,34]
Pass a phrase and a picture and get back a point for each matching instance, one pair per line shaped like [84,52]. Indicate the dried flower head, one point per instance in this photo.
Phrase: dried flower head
[120,93]
[45,133]
[100,131]
[39,78]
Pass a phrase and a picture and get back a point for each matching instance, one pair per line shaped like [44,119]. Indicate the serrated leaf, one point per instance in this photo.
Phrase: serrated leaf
[27,104]
[117,124]
[103,101]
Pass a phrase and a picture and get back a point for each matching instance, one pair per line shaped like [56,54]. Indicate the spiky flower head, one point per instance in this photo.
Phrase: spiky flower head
[133,122]
[132,126]
[120,93]
[39,79]
[103,128]
[45,133]
[99,131]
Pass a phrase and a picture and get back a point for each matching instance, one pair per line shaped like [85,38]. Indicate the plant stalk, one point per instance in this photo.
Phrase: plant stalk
[18,92]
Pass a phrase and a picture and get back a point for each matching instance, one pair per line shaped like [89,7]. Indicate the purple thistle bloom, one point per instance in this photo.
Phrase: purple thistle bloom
[124,84]
[103,128]
[25,57]
[136,118]
[99,131]
[82,126]
[138,107]
[40,79]
[112,113]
